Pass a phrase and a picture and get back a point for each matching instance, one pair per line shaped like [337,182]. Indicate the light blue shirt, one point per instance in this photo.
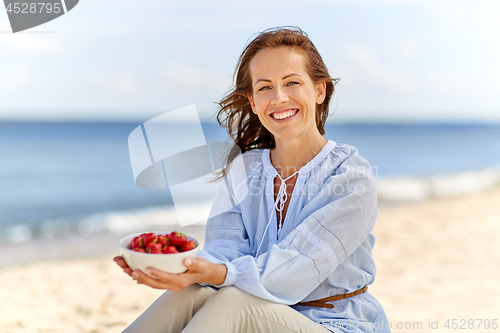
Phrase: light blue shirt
[324,248]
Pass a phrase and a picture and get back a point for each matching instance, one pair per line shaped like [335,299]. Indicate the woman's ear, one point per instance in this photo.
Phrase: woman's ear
[320,92]
[252,104]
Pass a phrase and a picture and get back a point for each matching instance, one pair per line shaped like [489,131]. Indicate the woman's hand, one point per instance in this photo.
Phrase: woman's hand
[199,270]
[121,262]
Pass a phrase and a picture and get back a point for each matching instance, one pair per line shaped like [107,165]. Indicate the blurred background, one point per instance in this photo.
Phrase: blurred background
[418,96]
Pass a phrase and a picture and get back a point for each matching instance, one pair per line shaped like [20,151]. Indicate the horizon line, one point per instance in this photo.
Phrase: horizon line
[214,122]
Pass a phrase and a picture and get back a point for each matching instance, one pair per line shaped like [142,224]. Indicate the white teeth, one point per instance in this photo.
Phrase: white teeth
[284,115]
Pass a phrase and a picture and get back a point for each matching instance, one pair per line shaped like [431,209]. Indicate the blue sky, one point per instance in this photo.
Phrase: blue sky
[128,60]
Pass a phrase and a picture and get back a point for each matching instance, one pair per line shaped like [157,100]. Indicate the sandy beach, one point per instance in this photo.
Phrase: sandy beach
[436,260]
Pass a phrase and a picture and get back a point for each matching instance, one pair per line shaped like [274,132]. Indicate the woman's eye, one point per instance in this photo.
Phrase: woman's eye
[292,83]
[264,88]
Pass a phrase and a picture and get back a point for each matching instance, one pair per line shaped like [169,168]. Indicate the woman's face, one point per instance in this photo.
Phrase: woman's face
[284,96]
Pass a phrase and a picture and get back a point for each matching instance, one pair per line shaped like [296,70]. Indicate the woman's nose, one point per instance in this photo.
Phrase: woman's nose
[279,97]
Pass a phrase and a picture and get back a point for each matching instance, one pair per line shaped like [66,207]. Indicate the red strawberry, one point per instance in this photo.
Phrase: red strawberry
[153,248]
[147,238]
[136,243]
[161,239]
[189,245]
[139,249]
[177,239]
[170,249]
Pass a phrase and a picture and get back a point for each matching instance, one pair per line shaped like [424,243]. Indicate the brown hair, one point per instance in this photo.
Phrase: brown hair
[235,113]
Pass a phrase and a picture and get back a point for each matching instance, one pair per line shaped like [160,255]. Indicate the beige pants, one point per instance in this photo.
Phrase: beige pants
[199,309]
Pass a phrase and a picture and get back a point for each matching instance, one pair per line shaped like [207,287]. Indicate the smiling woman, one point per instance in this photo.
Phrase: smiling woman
[294,255]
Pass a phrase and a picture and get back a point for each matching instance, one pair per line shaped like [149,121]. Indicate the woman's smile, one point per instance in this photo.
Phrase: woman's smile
[285,115]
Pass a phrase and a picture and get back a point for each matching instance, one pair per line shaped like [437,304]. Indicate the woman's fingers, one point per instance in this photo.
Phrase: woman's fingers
[196,265]
[163,276]
[163,280]
[128,271]
[117,259]
[121,262]
[188,262]
[140,277]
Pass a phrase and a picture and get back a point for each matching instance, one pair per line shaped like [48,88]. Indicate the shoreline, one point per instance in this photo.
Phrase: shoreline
[75,247]
[110,228]
[391,191]
[416,188]
[431,256]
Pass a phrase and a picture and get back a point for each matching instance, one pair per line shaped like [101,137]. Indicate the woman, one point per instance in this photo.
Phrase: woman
[302,232]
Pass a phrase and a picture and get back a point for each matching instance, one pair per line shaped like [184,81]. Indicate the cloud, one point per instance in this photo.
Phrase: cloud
[186,78]
[470,32]
[115,82]
[466,84]
[410,49]
[31,45]
[482,17]
[14,79]
[367,70]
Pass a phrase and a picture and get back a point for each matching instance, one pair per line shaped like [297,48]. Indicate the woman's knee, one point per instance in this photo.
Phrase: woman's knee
[231,295]
[188,296]
[233,300]
[223,312]
[189,291]
[230,291]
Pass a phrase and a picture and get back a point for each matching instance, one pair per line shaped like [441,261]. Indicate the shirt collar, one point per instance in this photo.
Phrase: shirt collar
[270,170]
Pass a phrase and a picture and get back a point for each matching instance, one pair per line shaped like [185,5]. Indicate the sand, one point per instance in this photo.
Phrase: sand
[437,259]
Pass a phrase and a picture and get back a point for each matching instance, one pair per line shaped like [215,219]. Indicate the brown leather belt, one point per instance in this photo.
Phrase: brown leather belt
[321,303]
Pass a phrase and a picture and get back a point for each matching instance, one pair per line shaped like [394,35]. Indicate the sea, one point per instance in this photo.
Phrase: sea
[70,178]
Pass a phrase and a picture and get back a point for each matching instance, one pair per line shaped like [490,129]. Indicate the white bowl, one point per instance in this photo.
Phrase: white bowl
[170,263]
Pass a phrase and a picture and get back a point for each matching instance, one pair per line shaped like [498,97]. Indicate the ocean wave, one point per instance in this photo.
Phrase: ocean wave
[404,188]
[117,222]
[155,218]
[417,188]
